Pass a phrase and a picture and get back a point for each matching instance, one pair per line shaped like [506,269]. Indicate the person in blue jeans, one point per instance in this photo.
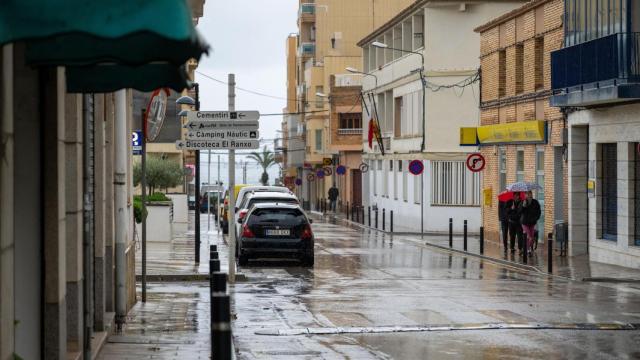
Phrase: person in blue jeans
[333,197]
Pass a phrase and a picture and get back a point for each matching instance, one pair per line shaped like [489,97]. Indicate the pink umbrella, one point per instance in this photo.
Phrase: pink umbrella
[509,195]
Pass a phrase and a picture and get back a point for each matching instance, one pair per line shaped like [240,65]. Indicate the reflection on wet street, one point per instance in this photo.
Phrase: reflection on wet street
[364,283]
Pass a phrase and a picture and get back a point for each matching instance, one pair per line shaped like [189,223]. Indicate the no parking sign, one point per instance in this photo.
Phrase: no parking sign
[416,167]
[475,162]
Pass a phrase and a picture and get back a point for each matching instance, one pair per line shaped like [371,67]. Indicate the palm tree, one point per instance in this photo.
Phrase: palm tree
[266,159]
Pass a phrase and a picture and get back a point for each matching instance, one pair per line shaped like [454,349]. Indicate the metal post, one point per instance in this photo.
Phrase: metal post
[209,192]
[369,215]
[220,326]
[391,218]
[347,210]
[197,183]
[481,240]
[219,282]
[450,233]
[232,192]
[218,214]
[383,220]
[376,218]
[143,190]
[465,235]
[88,233]
[422,190]
[550,253]
[121,142]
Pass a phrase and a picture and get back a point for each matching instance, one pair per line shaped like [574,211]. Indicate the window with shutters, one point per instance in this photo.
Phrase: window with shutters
[452,184]
[520,165]
[609,191]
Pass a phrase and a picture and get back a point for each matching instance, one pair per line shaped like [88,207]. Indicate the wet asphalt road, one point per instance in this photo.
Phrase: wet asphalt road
[374,281]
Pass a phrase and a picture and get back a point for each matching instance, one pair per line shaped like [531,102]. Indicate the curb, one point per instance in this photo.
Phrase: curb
[240,277]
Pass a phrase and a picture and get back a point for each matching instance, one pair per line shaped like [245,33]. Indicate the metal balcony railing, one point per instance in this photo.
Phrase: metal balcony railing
[307,49]
[613,57]
[308,8]
[349,131]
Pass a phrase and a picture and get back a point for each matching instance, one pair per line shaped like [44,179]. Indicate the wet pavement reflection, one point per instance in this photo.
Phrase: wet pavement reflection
[374,280]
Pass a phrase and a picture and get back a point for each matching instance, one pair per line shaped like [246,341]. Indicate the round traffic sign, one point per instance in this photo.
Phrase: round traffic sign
[327,171]
[298,182]
[320,174]
[475,162]
[416,167]
[341,170]
[364,168]
[311,177]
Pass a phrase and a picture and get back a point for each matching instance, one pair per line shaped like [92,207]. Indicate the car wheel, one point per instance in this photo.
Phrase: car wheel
[308,261]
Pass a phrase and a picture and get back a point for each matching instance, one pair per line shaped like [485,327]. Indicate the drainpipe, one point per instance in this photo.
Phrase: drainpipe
[120,190]
[87,243]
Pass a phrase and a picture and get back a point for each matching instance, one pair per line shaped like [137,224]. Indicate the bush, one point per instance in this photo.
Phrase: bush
[160,173]
[137,209]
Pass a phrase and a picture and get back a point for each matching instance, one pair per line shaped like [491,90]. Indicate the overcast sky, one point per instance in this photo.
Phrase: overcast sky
[247,38]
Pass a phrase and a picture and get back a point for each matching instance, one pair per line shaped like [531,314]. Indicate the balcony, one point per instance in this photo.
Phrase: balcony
[307,13]
[349,131]
[597,72]
[307,49]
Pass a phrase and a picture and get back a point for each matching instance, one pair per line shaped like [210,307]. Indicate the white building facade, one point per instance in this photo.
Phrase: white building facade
[394,94]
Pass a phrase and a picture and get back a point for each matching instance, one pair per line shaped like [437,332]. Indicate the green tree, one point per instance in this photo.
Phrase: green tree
[161,173]
[265,159]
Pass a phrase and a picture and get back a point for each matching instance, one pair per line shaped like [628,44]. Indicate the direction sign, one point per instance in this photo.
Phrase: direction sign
[475,162]
[222,125]
[222,115]
[222,134]
[416,167]
[217,144]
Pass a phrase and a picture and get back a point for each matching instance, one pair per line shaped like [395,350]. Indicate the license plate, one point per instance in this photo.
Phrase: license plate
[277,232]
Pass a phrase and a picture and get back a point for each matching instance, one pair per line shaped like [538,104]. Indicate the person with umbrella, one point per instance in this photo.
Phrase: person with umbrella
[530,214]
[509,216]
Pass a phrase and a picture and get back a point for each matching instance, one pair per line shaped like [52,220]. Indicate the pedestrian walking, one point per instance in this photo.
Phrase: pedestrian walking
[503,211]
[333,197]
[515,227]
[529,216]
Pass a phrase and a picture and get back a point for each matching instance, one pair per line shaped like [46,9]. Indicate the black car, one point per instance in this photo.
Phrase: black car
[276,230]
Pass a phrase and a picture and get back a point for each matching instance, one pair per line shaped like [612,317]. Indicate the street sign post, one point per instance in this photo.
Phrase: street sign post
[222,115]
[475,162]
[241,144]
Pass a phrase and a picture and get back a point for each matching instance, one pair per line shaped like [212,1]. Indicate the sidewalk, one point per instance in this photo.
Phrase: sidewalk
[174,323]
[575,267]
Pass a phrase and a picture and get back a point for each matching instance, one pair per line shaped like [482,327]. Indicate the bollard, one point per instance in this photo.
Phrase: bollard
[220,326]
[464,234]
[383,220]
[347,212]
[214,265]
[219,282]
[391,219]
[213,248]
[450,233]
[550,253]
[214,255]
[369,215]
[481,240]
[376,218]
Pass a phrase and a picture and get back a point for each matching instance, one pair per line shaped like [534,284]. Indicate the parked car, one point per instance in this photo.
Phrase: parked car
[252,198]
[224,208]
[213,200]
[276,230]
[258,188]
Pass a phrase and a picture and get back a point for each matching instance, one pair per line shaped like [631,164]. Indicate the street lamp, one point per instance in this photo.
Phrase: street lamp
[380,45]
[188,100]
[356,71]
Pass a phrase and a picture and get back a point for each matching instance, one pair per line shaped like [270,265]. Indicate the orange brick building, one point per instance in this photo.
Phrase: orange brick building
[521,136]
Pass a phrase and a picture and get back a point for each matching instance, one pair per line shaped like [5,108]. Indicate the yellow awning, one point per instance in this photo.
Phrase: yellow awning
[512,133]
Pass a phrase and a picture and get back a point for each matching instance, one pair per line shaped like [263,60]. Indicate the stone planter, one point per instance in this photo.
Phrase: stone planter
[159,222]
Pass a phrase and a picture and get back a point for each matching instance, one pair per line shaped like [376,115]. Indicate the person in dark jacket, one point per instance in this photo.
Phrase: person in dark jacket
[515,227]
[529,215]
[503,209]
[333,197]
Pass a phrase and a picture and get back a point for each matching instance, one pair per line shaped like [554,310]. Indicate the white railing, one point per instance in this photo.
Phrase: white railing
[349,131]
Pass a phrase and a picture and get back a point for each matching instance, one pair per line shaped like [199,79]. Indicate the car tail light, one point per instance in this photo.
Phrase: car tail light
[226,202]
[307,234]
[242,214]
[246,232]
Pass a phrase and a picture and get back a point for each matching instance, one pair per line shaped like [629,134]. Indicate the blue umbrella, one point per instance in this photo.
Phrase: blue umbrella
[523,186]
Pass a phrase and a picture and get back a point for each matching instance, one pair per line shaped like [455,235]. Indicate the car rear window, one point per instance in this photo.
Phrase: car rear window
[276,215]
[269,200]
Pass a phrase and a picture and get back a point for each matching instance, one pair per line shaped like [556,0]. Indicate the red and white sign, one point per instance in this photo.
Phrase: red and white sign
[475,162]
